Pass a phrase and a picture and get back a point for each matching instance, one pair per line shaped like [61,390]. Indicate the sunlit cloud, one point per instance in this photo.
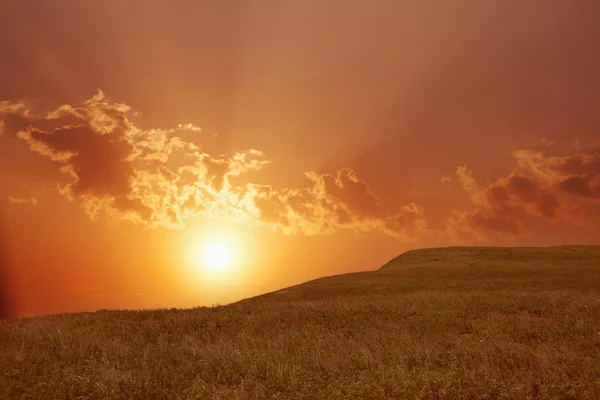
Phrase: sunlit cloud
[157,178]
[446,180]
[160,178]
[23,200]
[331,202]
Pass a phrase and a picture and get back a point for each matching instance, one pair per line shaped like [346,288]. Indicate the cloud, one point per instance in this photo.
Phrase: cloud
[584,186]
[575,174]
[158,178]
[331,202]
[22,200]
[540,190]
[445,180]
[116,168]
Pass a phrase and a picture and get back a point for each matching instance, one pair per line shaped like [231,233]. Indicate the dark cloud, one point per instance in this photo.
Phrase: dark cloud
[540,189]
[577,164]
[578,175]
[575,176]
[520,194]
[98,162]
[347,189]
[584,186]
[95,152]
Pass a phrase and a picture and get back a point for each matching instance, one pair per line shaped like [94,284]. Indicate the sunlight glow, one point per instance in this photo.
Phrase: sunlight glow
[219,260]
[216,256]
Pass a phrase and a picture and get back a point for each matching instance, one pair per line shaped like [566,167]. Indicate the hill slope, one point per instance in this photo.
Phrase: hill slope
[434,323]
[528,269]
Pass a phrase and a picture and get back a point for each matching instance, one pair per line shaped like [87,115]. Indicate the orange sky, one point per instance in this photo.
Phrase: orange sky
[313,137]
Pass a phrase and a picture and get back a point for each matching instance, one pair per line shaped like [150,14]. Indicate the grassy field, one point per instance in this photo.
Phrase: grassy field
[454,323]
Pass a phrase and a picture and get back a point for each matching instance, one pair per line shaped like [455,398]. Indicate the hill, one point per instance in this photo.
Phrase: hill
[481,323]
[463,269]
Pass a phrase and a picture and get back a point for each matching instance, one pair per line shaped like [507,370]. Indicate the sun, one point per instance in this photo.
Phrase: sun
[216,256]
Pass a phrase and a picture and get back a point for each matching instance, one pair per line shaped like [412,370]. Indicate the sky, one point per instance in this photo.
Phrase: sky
[289,139]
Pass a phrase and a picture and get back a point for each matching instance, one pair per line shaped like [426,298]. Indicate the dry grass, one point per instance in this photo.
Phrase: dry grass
[469,323]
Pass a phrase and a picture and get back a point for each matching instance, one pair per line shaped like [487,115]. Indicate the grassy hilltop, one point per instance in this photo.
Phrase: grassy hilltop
[480,323]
